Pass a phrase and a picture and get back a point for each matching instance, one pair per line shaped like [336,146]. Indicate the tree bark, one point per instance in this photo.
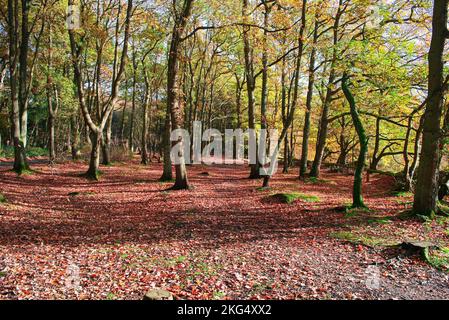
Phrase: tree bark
[425,201]
[51,111]
[106,142]
[167,174]
[75,140]
[306,130]
[173,91]
[250,86]
[146,104]
[94,163]
[357,198]
[323,128]
[291,113]
[17,82]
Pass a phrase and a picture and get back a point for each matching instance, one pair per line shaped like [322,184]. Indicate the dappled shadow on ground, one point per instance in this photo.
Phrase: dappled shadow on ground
[225,238]
[56,206]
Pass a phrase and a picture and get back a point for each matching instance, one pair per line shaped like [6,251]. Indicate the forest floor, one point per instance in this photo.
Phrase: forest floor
[63,237]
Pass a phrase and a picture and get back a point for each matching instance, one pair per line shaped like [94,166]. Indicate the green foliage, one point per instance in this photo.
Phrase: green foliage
[8,152]
[3,198]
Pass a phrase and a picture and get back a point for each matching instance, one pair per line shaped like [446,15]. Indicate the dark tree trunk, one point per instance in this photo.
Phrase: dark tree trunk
[93,172]
[250,86]
[17,81]
[174,100]
[425,201]
[289,119]
[51,138]
[133,107]
[375,159]
[144,140]
[342,158]
[51,110]
[306,131]
[357,201]
[323,128]
[167,174]
[284,112]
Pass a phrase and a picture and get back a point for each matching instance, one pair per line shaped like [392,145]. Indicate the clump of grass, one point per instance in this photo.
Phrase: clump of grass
[366,240]
[438,258]
[443,208]
[77,193]
[379,220]
[3,198]
[218,295]
[402,194]
[349,211]
[24,172]
[289,198]
[111,296]
[179,224]
[315,180]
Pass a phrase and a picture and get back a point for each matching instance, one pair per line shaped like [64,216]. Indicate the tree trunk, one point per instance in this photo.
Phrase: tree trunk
[173,91]
[291,113]
[106,114]
[167,174]
[51,111]
[306,131]
[250,86]
[146,104]
[93,172]
[375,159]
[425,201]
[133,107]
[75,138]
[51,140]
[323,128]
[106,142]
[18,81]
[357,197]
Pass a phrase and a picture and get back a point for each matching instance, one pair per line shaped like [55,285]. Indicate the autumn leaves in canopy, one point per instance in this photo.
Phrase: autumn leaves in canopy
[134,70]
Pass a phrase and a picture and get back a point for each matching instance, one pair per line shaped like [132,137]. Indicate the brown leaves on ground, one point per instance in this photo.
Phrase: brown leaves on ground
[65,237]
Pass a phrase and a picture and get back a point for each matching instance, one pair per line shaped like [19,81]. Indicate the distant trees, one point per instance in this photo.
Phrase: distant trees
[133,72]
[103,108]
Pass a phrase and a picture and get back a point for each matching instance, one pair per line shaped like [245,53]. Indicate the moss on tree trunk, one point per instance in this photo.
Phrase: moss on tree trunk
[357,201]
